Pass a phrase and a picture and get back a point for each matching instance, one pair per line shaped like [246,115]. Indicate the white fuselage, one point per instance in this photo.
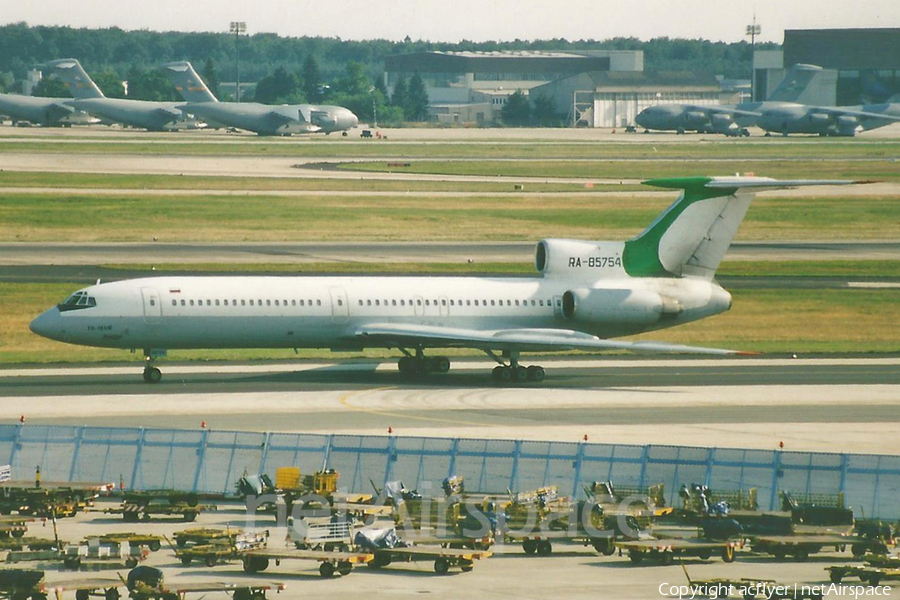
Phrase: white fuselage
[325,312]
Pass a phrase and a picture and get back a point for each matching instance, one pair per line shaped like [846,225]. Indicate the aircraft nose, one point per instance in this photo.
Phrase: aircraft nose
[48,324]
[351,120]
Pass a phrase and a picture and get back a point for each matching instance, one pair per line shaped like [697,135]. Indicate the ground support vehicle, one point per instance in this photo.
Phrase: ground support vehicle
[106,555]
[152,542]
[34,555]
[443,558]
[331,562]
[868,573]
[801,546]
[219,548]
[203,535]
[541,543]
[148,583]
[665,550]
[108,589]
[22,584]
[14,526]
[451,540]
[142,508]
[178,591]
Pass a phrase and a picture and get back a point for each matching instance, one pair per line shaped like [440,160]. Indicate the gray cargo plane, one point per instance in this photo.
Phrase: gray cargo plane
[48,111]
[154,116]
[827,120]
[263,119]
[782,113]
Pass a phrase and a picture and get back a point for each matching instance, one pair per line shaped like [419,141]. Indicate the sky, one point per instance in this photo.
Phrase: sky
[476,20]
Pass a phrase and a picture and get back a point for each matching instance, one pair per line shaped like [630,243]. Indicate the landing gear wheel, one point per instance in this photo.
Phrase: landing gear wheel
[535,373]
[152,375]
[501,374]
[326,569]
[518,374]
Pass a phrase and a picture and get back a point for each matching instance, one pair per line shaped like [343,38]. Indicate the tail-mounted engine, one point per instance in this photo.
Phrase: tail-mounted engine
[638,307]
[587,260]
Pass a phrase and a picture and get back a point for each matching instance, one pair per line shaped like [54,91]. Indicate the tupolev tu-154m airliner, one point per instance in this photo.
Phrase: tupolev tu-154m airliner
[586,293]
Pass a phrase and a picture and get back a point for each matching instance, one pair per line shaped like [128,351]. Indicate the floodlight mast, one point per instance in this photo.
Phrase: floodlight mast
[237,28]
[753,30]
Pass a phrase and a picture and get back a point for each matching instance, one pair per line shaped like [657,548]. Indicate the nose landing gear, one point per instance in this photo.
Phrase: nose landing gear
[151,373]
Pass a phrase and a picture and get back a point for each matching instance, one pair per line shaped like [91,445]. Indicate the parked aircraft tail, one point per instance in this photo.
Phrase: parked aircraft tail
[188,83]
[690,237]
[74,77]
[803,84]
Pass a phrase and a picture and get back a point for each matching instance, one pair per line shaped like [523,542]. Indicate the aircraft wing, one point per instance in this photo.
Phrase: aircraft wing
[276,119]
[530,340]
[725,110]
[836,111]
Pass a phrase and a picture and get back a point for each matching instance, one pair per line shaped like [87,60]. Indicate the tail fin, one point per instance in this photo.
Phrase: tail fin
[803,84]
[76,80]
[187,82]
[690,237]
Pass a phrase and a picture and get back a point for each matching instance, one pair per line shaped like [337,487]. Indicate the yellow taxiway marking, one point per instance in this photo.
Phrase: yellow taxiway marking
[345,401]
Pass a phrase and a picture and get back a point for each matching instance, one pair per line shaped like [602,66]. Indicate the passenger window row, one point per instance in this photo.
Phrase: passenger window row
[246,302]
[453,302]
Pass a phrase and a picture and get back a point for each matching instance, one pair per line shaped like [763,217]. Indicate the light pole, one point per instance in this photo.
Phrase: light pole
[753,31]
[237,28]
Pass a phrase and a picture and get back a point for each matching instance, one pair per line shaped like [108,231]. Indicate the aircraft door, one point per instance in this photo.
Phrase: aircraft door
[420,306]
[558,308]
[445,306]
[152,305]
[340,308]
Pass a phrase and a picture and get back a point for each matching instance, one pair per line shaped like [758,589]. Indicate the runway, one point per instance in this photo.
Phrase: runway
[811,404]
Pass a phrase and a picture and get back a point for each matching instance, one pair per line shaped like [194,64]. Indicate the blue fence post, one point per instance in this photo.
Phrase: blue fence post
[454,450]
[390,459]
[645,457]
[329,440]
[579,458]
[845,464]
[138,457]
[514,474]
[776,470]
[710,463]
[17,442]
[75,453]
[201,456]
[265,452]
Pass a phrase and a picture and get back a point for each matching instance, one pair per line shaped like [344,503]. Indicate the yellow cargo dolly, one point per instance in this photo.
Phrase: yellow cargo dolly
[443,558]
[664,550]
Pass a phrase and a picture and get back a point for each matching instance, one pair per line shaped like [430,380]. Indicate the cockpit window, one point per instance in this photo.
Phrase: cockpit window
[77,301]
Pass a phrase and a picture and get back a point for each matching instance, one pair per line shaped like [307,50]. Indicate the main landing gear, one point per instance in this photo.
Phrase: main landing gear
[420,364]
[514,372]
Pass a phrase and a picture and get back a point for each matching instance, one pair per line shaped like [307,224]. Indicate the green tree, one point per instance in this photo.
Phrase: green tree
[516,112]
[416,107]
[150,85]
[355,81]
[281,87]
[51,87]
[109,83]
[400,95]
[312,79]
[211,76]
[542,113]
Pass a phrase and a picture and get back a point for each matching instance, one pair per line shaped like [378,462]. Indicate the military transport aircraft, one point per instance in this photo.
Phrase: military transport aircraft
[781,113]
[586,293]
[48,111]
[263,119]
[154,116]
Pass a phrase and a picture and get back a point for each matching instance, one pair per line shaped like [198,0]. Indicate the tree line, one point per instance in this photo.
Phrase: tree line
[310,69]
